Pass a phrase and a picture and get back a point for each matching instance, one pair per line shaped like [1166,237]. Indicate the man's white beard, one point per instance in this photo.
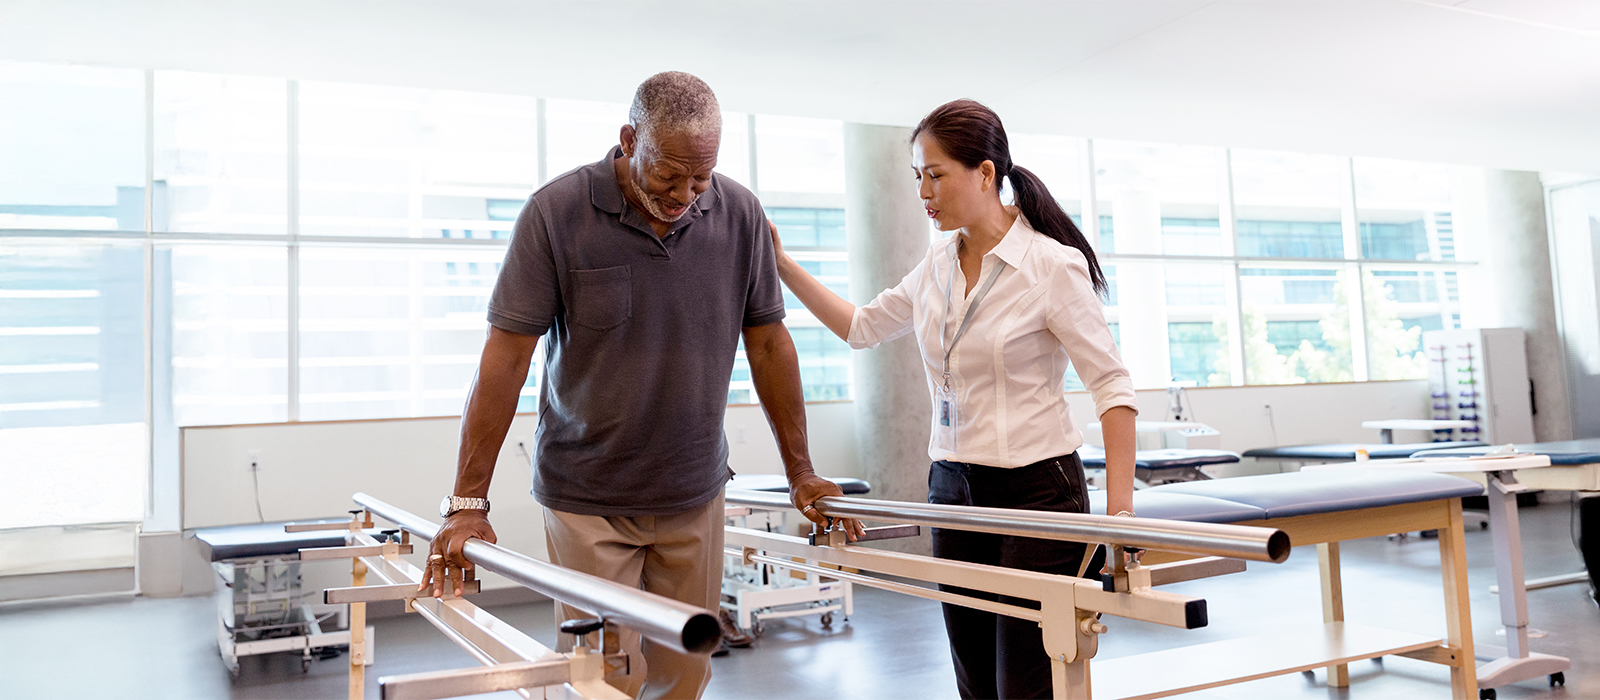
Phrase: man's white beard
[650,204]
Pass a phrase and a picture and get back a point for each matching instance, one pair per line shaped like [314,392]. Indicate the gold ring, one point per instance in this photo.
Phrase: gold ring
[808,507]
[435,556]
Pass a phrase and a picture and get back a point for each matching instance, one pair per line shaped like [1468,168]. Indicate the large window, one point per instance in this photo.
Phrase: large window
[391,332]
[1162,199]
[1287,205]
[797,155]
[1406,212]
[72,433]
[578,133]
[402,163]
[72,371]
[227,308]
[1332,267]
[1058,161]
[1296,323]
[71,148]
[319,251]
[221,154]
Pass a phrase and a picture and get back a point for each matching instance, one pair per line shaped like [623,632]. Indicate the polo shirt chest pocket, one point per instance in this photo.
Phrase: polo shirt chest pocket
[602,299]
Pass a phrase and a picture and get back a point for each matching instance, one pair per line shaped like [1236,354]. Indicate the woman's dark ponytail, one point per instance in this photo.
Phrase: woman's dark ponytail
[1047,217]
[972,133]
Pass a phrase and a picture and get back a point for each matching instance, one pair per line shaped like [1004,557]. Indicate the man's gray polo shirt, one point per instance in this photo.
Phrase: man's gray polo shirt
[639,338]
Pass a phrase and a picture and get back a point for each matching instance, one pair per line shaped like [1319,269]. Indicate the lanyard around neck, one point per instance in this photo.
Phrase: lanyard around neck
[944,330]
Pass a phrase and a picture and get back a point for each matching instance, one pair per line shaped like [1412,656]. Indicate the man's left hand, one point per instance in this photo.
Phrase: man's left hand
[805,490]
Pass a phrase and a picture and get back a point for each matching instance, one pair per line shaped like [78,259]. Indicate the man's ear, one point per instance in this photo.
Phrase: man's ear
[630,140]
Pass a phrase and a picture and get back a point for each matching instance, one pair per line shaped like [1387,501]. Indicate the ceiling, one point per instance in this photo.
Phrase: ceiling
[1504,83]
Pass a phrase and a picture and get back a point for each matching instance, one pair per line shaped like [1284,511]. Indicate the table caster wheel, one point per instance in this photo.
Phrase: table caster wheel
[827,620]
[758,628]
[1558,678]
[1486,694]
[305,664]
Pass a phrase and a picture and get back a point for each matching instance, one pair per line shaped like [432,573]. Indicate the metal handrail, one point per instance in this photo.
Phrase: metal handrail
[1203,539]
[677,625]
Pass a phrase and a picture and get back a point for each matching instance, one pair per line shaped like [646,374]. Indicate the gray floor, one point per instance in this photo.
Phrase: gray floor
[892,648]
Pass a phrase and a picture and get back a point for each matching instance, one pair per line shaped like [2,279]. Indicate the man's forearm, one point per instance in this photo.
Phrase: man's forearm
[491,406]
[775,371]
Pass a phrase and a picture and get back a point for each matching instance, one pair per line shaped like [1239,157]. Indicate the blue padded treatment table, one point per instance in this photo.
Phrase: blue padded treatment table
[1312,492]
[1320,508]
[1152,503]
[1346,452]
[1565,453]
[259,540]
[1158,466]
[1267,496]
[780,484]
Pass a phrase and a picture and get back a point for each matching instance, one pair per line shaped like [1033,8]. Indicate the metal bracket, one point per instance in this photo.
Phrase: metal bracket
[1180,571]
[1063,640]
[350,552]
[373,594]
[470,681]
[889,532]
[1505,482]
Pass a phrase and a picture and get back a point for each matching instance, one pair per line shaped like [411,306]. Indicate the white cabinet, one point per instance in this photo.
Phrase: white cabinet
[1481,375]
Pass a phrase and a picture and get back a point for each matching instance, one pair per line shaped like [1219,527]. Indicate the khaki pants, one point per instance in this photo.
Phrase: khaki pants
[678,556]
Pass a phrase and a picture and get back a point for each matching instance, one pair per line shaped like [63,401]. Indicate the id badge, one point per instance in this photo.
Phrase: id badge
[945,419]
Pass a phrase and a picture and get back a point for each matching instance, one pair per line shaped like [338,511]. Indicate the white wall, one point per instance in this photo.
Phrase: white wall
[310,470]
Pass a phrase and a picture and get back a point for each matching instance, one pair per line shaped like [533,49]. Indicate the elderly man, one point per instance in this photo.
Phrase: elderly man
[643,271]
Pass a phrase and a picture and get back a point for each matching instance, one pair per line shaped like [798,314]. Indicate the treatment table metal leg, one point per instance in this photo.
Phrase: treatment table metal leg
[1332,603]
[1517,662]
[1457,604]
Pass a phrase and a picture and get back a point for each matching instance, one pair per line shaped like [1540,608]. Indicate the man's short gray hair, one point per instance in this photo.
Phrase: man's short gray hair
[671,104]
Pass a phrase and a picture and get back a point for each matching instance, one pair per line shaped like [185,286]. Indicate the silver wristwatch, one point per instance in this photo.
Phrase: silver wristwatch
[451,504]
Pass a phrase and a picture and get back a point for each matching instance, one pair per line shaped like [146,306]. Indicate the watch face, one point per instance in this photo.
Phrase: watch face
[444,507]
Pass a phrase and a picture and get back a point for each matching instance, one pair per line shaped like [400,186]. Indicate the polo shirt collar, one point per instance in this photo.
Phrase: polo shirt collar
[606,193]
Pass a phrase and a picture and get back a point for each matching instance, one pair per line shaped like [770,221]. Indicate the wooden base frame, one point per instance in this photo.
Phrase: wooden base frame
[1337,643]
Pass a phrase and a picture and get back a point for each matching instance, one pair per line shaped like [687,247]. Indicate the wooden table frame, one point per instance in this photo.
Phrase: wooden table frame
[1129,678]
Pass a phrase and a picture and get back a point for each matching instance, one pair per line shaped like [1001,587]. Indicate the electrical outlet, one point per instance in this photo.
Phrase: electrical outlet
[1266,409]
[255,460]
[739,435]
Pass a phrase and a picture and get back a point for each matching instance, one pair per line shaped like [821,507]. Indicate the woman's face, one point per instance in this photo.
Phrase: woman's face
[952,193]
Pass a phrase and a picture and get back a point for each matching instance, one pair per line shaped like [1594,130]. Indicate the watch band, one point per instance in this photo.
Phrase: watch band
[452,504]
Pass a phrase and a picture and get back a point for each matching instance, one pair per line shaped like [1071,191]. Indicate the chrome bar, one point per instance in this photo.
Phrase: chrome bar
[473,681]
[660,619]
[1203,539]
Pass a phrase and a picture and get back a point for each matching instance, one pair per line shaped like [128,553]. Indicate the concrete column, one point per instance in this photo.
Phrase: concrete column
[886,232]
[1512,285]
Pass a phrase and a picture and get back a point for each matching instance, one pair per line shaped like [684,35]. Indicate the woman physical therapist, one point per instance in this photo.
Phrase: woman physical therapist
[998,310]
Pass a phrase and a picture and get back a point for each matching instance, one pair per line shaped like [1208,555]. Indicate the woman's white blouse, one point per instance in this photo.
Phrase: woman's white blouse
[1007,372]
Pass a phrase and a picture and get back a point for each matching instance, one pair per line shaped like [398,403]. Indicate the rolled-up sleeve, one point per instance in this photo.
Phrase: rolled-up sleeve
[1076,319]
[889,316]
